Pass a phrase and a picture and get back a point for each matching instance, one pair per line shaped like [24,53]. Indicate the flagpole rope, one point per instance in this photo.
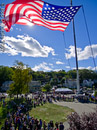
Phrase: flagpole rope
[89,38]
[65,50]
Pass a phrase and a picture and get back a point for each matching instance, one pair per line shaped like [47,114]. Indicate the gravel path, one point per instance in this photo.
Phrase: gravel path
[78,107]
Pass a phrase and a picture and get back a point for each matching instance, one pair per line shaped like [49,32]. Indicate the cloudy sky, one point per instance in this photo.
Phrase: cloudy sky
[47,50]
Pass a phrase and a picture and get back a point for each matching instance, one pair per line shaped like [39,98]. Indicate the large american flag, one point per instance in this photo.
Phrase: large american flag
[30,12]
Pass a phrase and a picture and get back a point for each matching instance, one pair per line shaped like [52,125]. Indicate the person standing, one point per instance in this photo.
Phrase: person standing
[44,125]
[40,123]
[61,126]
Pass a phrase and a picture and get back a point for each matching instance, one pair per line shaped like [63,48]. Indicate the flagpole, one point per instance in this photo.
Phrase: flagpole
[77,71]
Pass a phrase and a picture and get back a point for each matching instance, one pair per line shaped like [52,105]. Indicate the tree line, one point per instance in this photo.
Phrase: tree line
[22,74]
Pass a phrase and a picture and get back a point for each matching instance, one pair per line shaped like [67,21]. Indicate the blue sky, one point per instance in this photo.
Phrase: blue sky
[45,50]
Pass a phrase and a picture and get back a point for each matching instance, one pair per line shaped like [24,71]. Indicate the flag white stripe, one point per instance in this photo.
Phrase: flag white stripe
[58,26]
[45,22]
[25,21]
[14,13]
[26,7]
[8,10]
[38,7]
[30,12]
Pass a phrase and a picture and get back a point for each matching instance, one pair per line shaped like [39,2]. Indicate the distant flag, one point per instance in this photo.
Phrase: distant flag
[38,12]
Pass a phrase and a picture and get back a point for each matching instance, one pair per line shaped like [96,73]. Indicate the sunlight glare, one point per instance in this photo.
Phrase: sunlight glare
[30,24]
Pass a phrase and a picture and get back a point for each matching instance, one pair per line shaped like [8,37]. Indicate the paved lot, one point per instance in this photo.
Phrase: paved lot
[78,107]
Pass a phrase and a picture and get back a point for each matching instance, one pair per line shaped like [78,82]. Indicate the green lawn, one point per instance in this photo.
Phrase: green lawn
[49,112]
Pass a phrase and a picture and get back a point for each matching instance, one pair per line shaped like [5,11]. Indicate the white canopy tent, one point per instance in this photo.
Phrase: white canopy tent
[63,90]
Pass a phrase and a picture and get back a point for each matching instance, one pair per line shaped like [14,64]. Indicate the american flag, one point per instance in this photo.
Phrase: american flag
[30,12]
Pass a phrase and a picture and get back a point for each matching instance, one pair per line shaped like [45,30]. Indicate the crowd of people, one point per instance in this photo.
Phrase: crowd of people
[24,122]
[20,121]
[19,118]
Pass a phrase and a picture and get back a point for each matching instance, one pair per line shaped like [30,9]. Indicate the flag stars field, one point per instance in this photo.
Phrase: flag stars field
[55,13]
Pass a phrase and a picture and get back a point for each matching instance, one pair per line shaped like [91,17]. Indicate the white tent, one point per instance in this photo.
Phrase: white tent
[63,90]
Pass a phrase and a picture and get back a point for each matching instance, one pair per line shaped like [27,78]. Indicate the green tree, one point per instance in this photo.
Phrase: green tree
[95,94]
[63,81]
[54,81]
[5,74]
[47,87]
[72,74]
[21,78]
[86,74]
[26,79]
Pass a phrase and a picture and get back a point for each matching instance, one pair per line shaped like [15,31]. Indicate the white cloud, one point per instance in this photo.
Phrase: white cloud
[26,46]
[89,68]
[68,67]
[43,66]
[49,49]
[46,67]
[57,70]
[82,54]
[59,62]
[51,64]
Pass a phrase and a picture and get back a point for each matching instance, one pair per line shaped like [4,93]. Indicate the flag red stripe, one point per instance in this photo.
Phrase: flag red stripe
[57,27]
[25,1]
[11,15]
[29,9]
[49,22]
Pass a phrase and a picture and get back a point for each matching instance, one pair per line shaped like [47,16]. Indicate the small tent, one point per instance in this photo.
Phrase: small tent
[64,90]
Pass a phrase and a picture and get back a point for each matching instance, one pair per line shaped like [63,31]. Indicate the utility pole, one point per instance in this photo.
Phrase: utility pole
[77,71]
[1,28]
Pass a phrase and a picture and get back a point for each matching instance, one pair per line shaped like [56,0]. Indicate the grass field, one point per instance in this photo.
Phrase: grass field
[49,112]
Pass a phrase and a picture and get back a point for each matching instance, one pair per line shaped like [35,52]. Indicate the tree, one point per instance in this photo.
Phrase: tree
[95,94]
[20,78]
[26,78]
[5,74]
[72,74]
[86,74]
[47,87]
[54,81]
[63,80]
[60,74]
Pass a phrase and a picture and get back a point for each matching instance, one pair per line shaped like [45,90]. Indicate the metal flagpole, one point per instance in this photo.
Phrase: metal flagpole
[77,71]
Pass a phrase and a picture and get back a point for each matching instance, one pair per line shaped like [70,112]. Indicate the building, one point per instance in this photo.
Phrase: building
[5,85]
[33,86]
[88,83]
[71,83]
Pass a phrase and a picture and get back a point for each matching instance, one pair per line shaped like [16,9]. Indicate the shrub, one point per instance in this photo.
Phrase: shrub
[87,121]
[95,94]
